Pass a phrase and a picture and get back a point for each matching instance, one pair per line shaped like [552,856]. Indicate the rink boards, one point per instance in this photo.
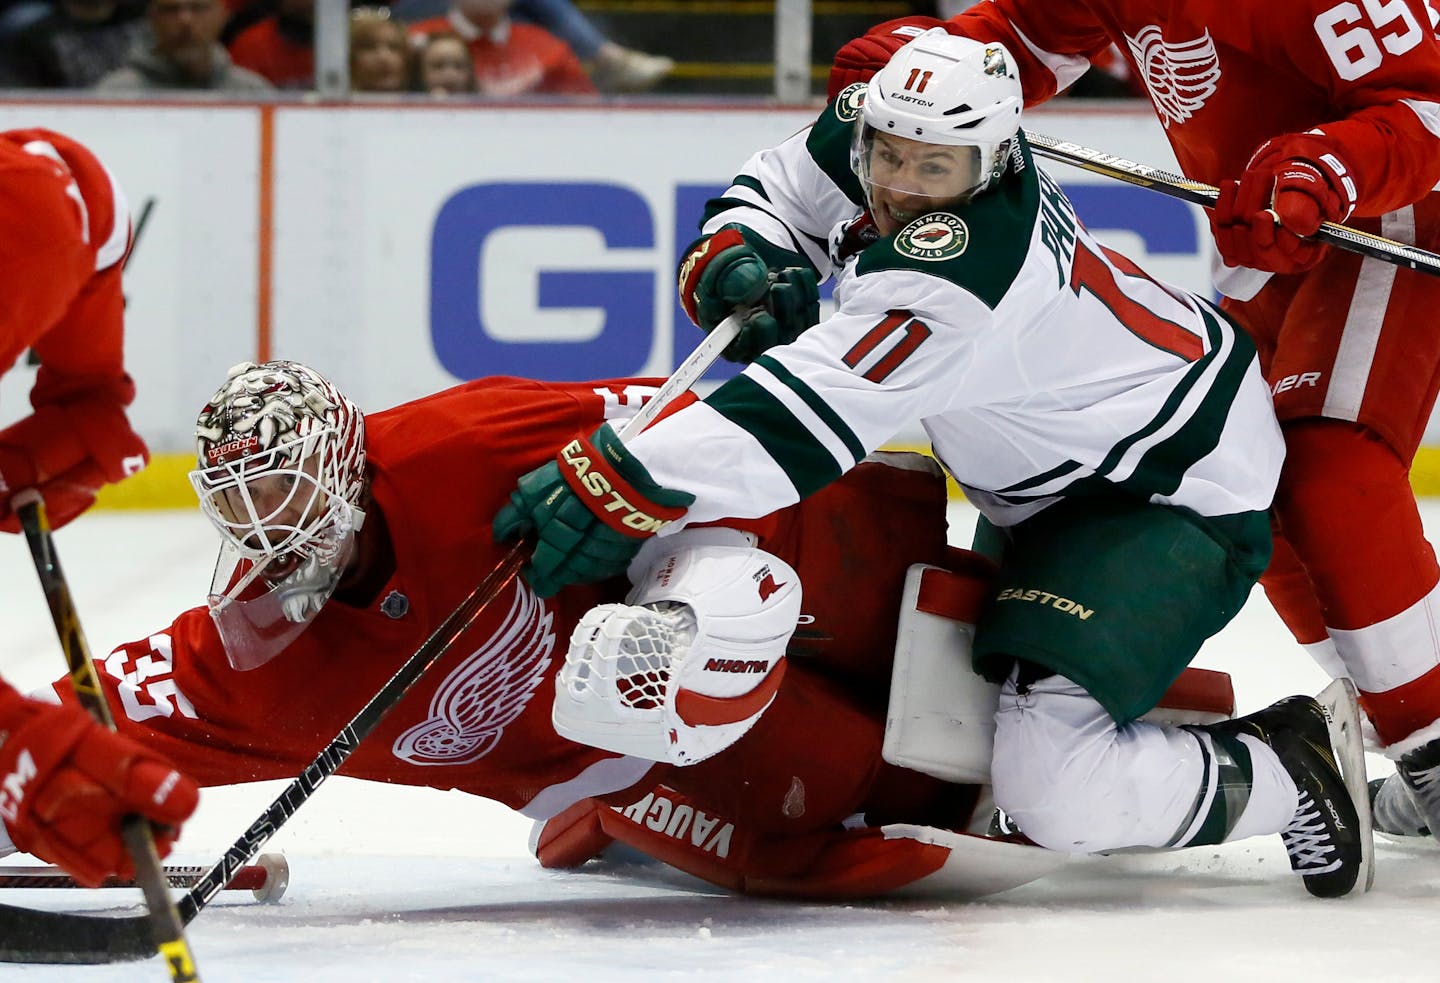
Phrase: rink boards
[402,248]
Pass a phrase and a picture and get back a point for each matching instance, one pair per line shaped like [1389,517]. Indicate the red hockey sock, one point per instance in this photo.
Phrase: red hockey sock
[1397,713]
[1291,594]
[1346,506]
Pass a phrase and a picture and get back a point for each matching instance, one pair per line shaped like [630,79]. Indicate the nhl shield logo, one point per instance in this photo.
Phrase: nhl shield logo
[849,101]
[933,238]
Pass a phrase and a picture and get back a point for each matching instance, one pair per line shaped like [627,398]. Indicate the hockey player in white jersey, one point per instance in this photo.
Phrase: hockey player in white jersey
[1115,433]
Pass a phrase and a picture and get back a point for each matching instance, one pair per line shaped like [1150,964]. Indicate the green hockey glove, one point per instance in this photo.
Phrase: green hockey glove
[724,273]
[588,511]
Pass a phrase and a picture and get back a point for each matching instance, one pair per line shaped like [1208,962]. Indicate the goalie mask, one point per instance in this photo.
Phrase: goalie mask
[281,474]
[937,126]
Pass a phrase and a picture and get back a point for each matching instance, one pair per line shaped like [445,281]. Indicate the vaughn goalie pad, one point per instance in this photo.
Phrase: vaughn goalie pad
[941,718]
[896,860]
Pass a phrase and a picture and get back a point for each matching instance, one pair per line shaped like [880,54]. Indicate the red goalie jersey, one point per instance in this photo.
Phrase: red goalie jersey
[479,721]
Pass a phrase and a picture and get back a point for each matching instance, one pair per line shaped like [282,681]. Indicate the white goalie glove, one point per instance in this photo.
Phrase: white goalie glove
[685,668]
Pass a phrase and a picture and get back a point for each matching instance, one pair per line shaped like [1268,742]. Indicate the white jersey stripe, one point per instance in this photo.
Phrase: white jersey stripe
[1066,68]
[1192,400]
[804,415]
[1395,651]
[112,250]
[1356,353]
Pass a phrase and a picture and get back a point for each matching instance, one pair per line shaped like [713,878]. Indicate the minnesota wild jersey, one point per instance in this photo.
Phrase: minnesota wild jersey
[1041,364]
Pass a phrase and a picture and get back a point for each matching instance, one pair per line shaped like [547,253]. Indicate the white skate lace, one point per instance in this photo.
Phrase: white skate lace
[1307,840]
[1424,780]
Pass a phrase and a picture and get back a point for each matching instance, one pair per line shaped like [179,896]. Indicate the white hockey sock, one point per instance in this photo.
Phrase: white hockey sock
[1273,796]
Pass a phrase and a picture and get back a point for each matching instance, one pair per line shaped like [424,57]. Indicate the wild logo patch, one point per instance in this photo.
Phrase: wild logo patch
[933,238]
[849,101]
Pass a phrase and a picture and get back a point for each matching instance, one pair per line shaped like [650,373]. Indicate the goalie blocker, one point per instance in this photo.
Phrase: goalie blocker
[631,667]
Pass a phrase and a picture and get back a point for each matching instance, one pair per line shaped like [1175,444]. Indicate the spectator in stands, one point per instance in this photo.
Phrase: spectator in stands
[379,52]
[443,66]
[511,58]
[16,15]
[73,45]
[612,67]
[183,52]
[280,47]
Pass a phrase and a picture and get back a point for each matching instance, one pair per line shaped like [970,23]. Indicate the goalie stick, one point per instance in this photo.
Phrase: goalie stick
[266,880]
[1176,186]
[30,935]
[165,930]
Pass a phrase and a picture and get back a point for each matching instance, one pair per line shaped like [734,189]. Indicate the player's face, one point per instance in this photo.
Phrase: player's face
[909,178]
[273,505]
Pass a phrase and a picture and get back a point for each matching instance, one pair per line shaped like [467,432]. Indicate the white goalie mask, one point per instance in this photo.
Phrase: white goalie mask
[281,474]
[960,97]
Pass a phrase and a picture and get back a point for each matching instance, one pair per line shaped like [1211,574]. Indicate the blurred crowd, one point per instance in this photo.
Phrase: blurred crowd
[488,49]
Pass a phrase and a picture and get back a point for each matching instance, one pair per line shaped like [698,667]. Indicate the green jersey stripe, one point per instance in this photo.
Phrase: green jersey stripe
[1059,471]
[746,404]
[1165,465]
[1193,377]
[817,404]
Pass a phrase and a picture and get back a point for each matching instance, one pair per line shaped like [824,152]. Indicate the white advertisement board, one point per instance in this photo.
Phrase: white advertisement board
[402,248]
[190,174]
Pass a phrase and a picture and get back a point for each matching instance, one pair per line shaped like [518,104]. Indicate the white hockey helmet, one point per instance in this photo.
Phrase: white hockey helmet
[944,90]
[281,474]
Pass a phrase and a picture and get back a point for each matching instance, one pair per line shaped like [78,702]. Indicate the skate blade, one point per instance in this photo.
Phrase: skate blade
[1342,714]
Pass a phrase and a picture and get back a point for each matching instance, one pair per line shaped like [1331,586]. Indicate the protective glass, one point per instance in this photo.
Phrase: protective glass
[944,173]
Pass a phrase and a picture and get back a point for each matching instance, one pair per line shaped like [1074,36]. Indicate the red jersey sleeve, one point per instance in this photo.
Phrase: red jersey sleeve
[1052,43]
[1383,80]
[66,232]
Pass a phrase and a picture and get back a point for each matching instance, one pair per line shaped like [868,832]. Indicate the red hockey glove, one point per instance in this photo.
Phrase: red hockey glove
[1291,185]
[861,58]
[66,782]
[67,451]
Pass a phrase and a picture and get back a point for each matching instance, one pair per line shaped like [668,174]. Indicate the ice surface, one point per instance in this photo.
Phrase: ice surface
[392,884]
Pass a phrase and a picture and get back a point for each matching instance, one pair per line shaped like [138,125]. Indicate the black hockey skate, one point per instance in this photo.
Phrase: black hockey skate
[1329,838]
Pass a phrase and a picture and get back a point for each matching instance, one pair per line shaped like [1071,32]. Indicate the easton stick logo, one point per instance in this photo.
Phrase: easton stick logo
[933,238]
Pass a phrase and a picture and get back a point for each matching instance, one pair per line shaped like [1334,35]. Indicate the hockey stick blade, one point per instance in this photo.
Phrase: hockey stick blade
[29,935]
[1176,186]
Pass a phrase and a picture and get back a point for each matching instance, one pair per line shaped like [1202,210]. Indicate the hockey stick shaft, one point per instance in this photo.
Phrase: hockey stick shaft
[248,878]
[1176,186]
[167,929]
[27,935]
